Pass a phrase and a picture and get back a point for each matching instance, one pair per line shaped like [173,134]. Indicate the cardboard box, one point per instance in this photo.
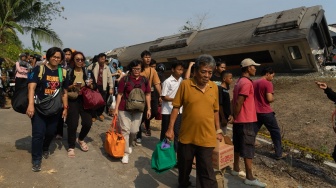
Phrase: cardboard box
[222,155]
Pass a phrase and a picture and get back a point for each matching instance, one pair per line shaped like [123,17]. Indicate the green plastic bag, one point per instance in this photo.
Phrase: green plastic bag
[163,157]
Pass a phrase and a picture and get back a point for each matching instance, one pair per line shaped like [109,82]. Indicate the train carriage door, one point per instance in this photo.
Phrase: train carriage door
[296,58]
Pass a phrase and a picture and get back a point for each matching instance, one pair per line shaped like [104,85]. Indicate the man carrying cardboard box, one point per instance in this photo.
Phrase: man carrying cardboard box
[200,127]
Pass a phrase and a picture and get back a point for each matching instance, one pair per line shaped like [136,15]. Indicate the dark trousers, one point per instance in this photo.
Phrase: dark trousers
[107,95]
[43,131]
[164,127]
[270,122]
[154,111]
[100,110]
[60,125]
[204,171]
[75,110]
[2,98]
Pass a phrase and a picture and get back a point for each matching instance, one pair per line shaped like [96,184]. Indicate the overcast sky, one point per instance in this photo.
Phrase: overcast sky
[101,25]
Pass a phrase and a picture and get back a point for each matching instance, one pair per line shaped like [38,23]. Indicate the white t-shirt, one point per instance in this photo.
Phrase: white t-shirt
[169,89]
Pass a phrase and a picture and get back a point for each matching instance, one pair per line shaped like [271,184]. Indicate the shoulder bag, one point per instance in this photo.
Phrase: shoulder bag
[92,99]
[114,141]
[52,104]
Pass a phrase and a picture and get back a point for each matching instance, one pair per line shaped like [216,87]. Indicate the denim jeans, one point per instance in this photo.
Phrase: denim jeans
[270,122]
[43,131]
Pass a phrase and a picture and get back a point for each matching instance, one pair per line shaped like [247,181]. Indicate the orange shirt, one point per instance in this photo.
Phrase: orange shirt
[198,119]
[152,76]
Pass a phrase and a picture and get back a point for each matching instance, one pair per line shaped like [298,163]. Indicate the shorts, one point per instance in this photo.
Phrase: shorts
[244,139]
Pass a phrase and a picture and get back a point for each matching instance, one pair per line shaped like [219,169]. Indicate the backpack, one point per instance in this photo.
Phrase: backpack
[136,100]
[20,97]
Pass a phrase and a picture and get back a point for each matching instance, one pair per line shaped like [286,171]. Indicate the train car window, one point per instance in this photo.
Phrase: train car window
[295,52]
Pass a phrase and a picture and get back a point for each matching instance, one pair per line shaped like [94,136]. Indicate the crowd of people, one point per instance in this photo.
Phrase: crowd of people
[196,108]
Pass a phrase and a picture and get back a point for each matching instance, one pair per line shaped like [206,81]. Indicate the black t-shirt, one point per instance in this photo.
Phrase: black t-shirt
[224,100]
[216,79]
[49,82]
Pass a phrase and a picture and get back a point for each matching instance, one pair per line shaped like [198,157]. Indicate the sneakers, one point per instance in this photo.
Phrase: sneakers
[255,182]
[130,150]
[93,119]
[138,142]
[240,173]
[45,154]
[148,132]
[36,167]
[283,155]
[124,160]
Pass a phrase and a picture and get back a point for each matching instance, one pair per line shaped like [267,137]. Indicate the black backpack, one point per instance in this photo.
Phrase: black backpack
[20,98]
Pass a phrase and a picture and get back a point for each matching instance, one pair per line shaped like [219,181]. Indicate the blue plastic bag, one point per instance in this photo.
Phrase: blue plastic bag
[163,157]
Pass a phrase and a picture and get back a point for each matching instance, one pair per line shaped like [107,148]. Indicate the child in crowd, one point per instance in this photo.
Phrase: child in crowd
[224,100]
[169,89]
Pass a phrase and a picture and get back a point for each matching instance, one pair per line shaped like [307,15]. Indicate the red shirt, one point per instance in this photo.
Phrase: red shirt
[126,89]
[247,114]
[261,88]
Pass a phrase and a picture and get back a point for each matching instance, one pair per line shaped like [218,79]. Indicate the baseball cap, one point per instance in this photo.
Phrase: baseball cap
[248,62]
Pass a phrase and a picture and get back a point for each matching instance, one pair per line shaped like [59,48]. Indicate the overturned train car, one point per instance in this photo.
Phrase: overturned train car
[295,40]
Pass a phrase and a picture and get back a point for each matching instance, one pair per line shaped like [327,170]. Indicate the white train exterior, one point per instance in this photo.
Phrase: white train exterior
[289,41]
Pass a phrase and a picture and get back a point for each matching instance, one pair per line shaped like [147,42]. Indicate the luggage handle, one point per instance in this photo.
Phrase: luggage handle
[114,127]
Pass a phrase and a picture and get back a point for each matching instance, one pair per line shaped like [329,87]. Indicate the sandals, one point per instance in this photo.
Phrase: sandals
[71,153]
[82,145]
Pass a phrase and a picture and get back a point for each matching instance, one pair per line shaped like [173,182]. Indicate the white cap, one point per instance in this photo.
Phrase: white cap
[248,62]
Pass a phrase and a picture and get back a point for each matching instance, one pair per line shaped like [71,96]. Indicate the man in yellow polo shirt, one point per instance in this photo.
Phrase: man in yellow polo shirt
[200,124]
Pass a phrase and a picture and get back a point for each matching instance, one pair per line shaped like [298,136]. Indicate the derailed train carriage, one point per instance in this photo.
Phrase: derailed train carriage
[295,40]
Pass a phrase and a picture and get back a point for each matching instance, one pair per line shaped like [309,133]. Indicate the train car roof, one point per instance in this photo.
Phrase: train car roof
[279,26]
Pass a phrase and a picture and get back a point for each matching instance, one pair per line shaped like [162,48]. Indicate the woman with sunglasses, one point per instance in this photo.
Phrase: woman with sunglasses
[130,120]
[78,79]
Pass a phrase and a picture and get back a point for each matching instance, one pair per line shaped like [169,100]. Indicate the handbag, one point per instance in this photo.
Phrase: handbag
[114,142]
[163,157]
[52,104]
[159,114]
[92,99]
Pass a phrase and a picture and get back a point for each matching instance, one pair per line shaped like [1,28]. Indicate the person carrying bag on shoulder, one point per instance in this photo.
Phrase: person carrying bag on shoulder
[79,79]
[44,127]
[130,104]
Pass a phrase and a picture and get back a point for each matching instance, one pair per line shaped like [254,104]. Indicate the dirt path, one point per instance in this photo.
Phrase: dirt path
[303,111]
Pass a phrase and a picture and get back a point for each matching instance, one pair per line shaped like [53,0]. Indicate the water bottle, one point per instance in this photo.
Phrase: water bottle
[88,78]
[113,105]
